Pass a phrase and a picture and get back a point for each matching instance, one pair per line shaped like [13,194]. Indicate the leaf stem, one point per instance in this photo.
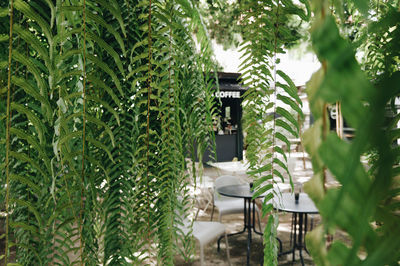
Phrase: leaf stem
[148,129]
[276,29]
[8,128]
[82,203]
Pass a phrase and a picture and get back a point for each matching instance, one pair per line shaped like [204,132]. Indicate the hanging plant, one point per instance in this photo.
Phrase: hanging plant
[268,124]
[100,118]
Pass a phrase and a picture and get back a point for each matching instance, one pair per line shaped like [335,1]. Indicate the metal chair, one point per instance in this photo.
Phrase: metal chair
[228,205]
[205,232]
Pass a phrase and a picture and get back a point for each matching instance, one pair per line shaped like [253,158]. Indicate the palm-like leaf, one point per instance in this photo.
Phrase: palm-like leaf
[268,125]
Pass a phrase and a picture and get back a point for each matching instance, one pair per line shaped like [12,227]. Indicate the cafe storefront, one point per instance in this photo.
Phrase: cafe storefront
[227,124]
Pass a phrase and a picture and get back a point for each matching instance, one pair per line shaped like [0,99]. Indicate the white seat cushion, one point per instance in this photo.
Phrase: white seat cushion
[231,206]
[205,232]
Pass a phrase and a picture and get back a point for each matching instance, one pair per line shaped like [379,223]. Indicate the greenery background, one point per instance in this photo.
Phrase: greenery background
[106,99]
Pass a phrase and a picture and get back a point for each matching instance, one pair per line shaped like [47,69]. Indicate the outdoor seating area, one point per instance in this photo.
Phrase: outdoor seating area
[244,230]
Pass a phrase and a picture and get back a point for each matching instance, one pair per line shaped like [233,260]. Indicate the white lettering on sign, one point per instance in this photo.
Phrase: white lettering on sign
[227,94]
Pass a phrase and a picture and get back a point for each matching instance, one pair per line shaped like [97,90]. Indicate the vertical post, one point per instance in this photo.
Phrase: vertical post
[339,120]
[248,201]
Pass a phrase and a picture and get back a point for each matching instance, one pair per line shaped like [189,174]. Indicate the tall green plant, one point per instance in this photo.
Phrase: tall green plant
[271,93]
[170,109]
[102,117]
[3,94]
[51,147]
[364,205]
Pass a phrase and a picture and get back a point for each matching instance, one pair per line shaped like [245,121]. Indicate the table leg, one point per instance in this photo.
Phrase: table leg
[299,228]
[244,227]
[294,237]
[249,223]
[301,237]
[245,214]
[305,232]
[254,219]
[248,201]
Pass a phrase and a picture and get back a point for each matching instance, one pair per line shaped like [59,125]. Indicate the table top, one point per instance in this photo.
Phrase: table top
[285,202]
[237,191]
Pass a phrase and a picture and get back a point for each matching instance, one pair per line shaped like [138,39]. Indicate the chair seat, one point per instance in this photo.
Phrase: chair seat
[231,206]
[205,232]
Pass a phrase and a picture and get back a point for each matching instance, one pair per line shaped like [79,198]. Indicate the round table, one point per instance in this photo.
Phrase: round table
[243,191]
[286,202]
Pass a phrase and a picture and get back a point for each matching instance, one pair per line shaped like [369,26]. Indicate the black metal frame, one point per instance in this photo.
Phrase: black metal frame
[298,234]
[249,223]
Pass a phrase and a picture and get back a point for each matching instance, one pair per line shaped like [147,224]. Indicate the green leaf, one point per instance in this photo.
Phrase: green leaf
[280,151]
[108,70]
[33,230]
[262,190]
[3,65]
[52,9]
[284,125]
[31,90]
[316,245]
[34,69]
[261,180]
[105,105]
[283,138]
[25,158]
[31,208]
[331,151]
[108,48]
[315,187]
[100,123]
[35,145]
[337,252]
[32,117]
[292,89]
[68,136]
[4,37]
[100,145]
[281,164]
[109,28]
[289,117]
[115,11]
[70,8]
[4,12]
[64,35]
[278,174]
[260,170]
[291,103]
[362,6]
[99,84]
[30,13]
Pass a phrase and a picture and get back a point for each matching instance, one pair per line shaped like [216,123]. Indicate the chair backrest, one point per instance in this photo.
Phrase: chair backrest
[291,164]
[225,180]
